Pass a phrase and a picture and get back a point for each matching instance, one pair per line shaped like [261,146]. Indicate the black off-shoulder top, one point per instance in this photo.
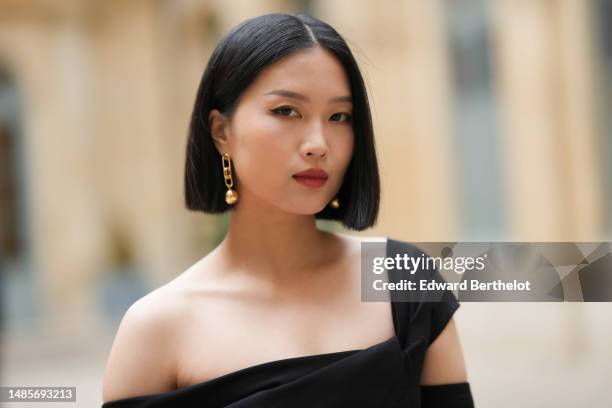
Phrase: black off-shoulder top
[386,374]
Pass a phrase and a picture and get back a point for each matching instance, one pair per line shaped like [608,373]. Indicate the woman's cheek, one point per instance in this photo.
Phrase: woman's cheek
[267,123]
[345,147]
[274,135]
[255,129]
[258,159]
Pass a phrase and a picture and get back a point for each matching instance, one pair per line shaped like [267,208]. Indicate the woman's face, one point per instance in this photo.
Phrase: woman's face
[295,116]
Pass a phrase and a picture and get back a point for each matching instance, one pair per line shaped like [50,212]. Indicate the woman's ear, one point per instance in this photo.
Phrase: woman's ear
[219,130]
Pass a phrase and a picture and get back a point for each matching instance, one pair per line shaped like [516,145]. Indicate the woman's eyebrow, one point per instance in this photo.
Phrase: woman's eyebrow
[295,95]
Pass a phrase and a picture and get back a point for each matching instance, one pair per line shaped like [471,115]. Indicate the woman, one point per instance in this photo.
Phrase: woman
[281,135]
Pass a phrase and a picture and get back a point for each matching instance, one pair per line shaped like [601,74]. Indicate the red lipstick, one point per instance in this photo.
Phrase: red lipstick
[312,177]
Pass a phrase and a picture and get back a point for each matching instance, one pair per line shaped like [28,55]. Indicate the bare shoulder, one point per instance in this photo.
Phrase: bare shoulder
[444,362]
[141,360]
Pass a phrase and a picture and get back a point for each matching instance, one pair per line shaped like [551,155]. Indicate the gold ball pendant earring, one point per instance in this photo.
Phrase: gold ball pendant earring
[231,196]
[335,203]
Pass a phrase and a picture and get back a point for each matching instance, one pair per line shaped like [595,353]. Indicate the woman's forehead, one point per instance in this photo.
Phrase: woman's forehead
[308,72]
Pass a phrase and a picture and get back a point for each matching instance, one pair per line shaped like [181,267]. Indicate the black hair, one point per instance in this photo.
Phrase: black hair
[234,64]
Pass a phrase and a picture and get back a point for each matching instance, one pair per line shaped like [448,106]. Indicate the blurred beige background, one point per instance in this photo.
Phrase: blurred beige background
[492,122]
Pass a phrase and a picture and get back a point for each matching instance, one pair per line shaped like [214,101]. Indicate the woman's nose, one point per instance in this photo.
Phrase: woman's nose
[316,153]
[315,146]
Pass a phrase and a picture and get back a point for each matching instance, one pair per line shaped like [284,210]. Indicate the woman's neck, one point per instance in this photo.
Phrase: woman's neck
[276,245]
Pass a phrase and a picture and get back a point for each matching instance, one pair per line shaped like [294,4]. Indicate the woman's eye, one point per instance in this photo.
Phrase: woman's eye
[347,117]
[287,111]
[284,111]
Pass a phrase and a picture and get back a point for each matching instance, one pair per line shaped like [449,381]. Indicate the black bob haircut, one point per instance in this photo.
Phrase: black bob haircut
[245,51]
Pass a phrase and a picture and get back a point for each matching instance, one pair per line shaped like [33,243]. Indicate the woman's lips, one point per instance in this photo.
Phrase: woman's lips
[312,182]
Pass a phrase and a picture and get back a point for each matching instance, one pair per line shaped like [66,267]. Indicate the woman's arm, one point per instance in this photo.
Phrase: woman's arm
[444,359]
[444,377]
[140,360]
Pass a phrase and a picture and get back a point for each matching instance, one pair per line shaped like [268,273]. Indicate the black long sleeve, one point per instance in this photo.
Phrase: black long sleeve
[457,395]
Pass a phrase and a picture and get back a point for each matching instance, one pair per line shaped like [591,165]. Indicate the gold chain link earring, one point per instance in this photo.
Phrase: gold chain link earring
[335,203]
[231,196]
